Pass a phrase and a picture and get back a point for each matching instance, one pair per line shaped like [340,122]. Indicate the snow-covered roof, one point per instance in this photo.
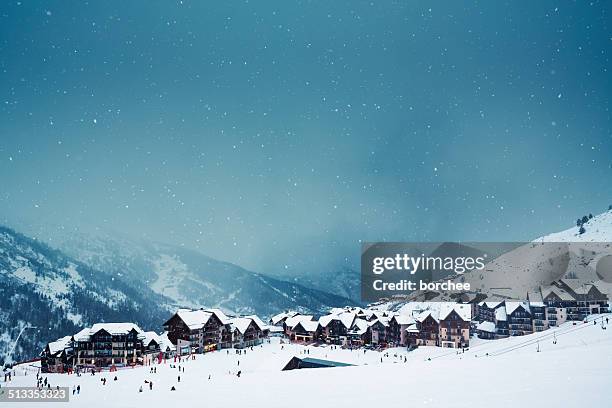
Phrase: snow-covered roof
[583,290]
[500,314]
[111,328]
[220,315]
[579,286]
[380,313]
[115,328]
[512,306]
[425,314]
[258,321]
[293,321]
[347,319]
[558,292]
[308,325]
[324,321]
[59,344]
[464,311]
[284,315]
[490,305]
[441,311]
[404,320]
[150,336]
[165,343]
[360,311]
[359,327]
[241,324]
[486,327]
[368,313]
[194,319]
[383,320]
[82,335]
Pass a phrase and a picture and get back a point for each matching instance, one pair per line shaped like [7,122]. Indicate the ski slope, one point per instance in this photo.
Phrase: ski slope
[597,229]
[574,372]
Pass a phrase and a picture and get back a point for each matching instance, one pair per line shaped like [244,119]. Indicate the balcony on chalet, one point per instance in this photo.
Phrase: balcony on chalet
[520,320]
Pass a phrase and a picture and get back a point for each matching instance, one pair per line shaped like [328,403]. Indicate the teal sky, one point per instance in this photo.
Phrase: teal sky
[278,135]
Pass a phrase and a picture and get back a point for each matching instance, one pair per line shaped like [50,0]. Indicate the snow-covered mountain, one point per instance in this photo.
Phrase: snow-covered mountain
[187,278]
[342,281]
[43,288]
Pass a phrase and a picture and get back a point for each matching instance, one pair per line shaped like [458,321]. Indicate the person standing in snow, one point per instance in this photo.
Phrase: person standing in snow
[179,378]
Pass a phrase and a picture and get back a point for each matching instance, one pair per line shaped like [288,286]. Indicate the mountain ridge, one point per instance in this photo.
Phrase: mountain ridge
[59,293]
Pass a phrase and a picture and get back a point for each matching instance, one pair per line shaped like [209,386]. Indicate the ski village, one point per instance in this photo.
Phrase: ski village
[202,354]
[110,346]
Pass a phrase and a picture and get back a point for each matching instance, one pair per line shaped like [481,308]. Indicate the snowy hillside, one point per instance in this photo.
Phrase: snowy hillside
[43,288]
[567,254]
[187,278]
[342,281]
[597,229]
[572,369]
